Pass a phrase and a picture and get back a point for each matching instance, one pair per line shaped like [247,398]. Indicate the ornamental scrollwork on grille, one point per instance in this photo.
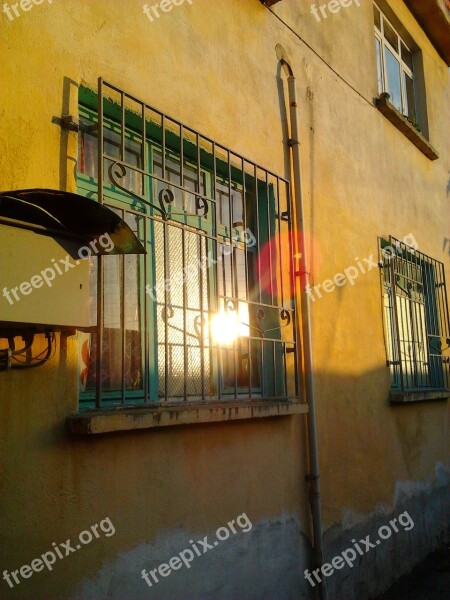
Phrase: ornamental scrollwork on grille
[166,198]
[117,172]
[285,317]
[201,204]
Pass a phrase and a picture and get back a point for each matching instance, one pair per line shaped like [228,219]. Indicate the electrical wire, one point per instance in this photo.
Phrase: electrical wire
[24,349]
[36,361]
[37,358]
[297,35]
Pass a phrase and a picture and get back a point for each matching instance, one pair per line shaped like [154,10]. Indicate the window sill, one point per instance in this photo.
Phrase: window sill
[398,397]
[403,125]
[93,423]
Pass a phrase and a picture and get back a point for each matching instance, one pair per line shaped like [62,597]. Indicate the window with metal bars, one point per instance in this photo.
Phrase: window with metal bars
[416,319]
[208,313]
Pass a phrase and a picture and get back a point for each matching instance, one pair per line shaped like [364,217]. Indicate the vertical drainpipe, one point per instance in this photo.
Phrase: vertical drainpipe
[313,477]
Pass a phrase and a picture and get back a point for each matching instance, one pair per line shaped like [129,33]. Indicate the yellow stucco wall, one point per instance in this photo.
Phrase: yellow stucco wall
[213,66]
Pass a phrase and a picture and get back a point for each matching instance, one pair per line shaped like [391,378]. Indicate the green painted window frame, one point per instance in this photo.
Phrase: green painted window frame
[88,185]
[435,316]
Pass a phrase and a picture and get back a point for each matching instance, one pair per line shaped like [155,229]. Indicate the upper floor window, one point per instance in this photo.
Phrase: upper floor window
[395,67]
[209,312]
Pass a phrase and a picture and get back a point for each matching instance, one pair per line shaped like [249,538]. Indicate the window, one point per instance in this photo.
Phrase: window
[416,319]
[395,67]
[208,313]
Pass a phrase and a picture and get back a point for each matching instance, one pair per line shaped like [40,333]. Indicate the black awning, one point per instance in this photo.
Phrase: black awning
[67,216]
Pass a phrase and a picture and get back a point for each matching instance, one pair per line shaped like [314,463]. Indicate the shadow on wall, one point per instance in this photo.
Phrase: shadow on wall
[162,488]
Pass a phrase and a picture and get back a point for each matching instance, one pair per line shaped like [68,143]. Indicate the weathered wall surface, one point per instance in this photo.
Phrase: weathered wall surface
[268,562]
[424,527]
[213,65]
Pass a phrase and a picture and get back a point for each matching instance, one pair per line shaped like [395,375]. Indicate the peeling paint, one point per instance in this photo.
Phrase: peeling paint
[428,504]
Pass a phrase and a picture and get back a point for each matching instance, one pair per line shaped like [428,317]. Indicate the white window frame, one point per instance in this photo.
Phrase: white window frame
[384,43]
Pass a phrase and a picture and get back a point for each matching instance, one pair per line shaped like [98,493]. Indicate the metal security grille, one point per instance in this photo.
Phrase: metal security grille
[416,318]
[209,312]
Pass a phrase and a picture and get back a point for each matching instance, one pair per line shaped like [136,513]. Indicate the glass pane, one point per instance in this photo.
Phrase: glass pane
[377,17]
[184,201]
[406,56]
[223,200]
[225,275]
[112,141]
[112,348]
[240,277]
[180,314]
[240,366]
[379,66]
[132,313]
[87,150]
[238,206]
[393,80]
[390,35]
[410,109]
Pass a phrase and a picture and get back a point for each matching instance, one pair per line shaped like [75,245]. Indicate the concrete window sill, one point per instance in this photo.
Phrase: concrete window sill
[128,419]
[397,397]
[403,125]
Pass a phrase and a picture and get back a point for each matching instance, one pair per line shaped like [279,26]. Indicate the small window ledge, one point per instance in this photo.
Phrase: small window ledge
[403,125]
[397,397]
[109,421]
